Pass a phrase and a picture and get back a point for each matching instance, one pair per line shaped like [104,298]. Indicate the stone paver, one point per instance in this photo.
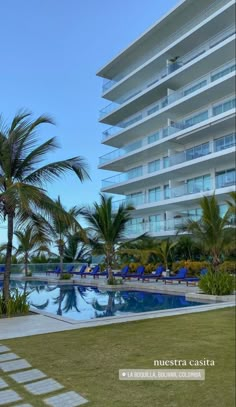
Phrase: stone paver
[8,396]
[43,386]
[27,376]
[69,399]
[3,349]
[8,356]
[14,365]
[3,384]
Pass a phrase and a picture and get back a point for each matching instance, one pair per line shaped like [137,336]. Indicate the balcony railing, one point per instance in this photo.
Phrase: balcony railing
[177,192]
[109,83]
[173,97]
[168,70]
[162,133]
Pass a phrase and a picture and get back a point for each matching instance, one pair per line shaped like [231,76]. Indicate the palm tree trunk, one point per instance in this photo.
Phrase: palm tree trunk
[26,264]
[6,281]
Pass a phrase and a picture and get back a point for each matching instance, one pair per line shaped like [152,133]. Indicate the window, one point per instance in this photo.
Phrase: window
[135,172]
[225,178]
[225,142]
[154,194]
[135,199]
[153,110]
[154,166]
[194,214]
[199,184]
[153,137]
[196,119]
[155,223]
[166,192]
[166,162]
[135,226]
[223,107]
[197,151]
[195,87]
[224,72]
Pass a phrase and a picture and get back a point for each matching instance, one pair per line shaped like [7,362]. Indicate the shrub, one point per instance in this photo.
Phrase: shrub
[65,276]
[133,267]
[217,283]
[17,304]
[229,266]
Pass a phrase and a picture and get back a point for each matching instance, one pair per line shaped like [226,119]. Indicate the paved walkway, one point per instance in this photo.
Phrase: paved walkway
[17,372]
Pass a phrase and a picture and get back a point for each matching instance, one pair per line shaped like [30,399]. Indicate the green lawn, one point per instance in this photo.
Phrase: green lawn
[88,360]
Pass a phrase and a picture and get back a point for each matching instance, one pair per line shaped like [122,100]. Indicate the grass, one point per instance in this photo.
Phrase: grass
[88,360]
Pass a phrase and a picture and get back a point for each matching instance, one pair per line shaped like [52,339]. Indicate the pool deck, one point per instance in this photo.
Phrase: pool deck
[43,322]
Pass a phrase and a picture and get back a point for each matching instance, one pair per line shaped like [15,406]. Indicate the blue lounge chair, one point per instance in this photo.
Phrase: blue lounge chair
[180,276]
[123,272]
[70,269]
[195,280]
[138,273]
[156,275]
[56,270]
[2,269]
[82,270]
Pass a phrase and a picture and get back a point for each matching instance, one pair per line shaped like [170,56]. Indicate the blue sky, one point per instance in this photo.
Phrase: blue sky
[50,52]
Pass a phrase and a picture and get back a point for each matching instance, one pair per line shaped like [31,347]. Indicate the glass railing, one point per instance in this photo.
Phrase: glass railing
[109,83]
[168,70]
[173,97]
[170,130]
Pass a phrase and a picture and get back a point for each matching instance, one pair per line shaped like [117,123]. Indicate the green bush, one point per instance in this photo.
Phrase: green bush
[65,276]
[17,304]
[217,283]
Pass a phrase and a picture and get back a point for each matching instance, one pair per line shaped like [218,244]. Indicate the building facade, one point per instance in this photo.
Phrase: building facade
[171,117]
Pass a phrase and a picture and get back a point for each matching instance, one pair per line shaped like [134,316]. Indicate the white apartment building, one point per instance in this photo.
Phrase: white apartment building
[171,117]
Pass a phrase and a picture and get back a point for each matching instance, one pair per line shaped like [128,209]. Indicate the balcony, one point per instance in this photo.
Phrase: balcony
[171,68]
[185,28]
[185,190]
[190,89]
[162,133]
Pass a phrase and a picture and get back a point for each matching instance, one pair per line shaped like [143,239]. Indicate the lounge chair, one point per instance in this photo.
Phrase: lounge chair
[123,272]
[195,280]
[70,269]
[180,276]
[156,275]
[137,274]
[82,270]
[2,269]
[56,270]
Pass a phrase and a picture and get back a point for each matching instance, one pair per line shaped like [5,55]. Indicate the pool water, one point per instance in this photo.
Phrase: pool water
[83,302]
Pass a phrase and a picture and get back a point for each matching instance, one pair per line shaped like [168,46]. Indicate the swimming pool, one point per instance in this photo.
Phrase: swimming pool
[85,302]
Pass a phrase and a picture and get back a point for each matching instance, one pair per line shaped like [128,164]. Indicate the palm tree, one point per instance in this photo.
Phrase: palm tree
[23,179]
[76,250]
[232,202]
[212,232]
[62,225]
[164,251]
[107,229]
[31,241]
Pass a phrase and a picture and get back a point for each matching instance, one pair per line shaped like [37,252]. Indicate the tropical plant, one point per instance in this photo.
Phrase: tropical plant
[217,283]
[164,251]
[31,241]
[62,225]
[232,202]
[22,179]
[17,303]
[212,232]
[76,250]
[106,229]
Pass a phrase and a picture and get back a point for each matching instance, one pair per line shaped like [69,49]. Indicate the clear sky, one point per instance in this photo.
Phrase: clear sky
[50,51]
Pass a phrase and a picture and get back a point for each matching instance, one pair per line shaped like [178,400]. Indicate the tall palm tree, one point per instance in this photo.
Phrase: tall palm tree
[212,232]
[232,202]
[62,223]
[31,241]
[107,229]
[23,175]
